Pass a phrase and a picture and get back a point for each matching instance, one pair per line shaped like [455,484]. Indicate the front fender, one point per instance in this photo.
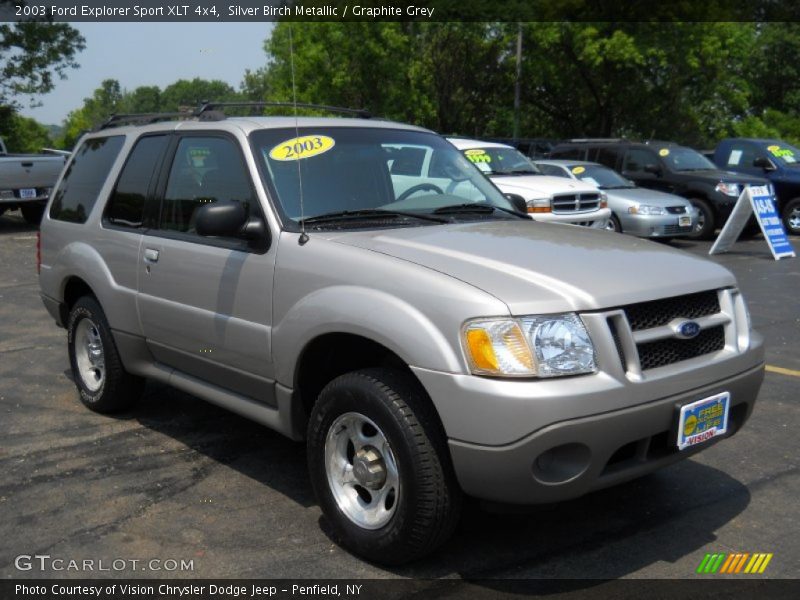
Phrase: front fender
[370,313]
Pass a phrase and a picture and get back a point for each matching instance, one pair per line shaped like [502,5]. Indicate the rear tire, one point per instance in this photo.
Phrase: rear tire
[32,213]
[103,383]
[380,467]
[791,217]
[705,226]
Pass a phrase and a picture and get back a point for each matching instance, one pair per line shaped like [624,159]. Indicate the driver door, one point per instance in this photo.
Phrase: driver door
[205,304]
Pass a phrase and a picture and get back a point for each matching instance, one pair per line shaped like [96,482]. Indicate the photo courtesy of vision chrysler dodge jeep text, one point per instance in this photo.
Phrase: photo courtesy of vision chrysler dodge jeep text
[424,337]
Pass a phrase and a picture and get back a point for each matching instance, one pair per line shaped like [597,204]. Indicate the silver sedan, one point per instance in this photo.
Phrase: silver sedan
[635,210]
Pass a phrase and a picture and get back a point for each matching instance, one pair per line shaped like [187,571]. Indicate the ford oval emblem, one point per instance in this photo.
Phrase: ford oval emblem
[688,330]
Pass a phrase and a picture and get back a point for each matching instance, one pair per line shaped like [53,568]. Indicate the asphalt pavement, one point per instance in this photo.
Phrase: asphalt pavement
[176,479]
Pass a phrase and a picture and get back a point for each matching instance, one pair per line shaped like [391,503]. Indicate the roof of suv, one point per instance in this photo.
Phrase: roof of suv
[250,124]
[466,144]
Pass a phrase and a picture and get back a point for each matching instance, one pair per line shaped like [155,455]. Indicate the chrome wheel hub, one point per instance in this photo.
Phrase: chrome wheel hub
[361,470]
[794,219]
[89,355]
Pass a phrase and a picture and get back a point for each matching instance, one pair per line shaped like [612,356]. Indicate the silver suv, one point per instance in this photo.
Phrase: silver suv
[424,337]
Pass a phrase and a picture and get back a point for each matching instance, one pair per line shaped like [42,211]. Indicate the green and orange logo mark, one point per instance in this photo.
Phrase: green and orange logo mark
[739,562]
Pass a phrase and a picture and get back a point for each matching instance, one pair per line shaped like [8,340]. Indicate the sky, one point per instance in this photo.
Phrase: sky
[153,54]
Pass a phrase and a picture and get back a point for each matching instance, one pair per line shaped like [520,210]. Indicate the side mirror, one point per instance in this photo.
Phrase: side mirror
[762,162]
[654,169]
[518,202]
[221,219]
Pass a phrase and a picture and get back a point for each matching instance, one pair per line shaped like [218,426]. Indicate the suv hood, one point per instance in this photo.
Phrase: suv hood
[715,175]
[539,186]
[544,267]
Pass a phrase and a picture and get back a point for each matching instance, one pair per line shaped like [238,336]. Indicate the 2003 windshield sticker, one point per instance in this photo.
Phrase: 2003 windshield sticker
[302,147]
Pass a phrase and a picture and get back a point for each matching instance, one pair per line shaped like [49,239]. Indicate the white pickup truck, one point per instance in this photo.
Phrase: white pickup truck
[26,181]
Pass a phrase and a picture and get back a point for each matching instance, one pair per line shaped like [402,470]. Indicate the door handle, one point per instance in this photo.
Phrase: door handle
[150,255]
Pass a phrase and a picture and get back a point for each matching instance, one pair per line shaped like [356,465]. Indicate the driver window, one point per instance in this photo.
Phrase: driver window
[204,170]
[637,159]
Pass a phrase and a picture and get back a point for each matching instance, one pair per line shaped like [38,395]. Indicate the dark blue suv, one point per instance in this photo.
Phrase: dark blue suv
[774,159]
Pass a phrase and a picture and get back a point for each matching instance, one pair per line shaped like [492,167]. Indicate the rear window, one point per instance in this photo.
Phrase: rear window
[85,175]
[568,153]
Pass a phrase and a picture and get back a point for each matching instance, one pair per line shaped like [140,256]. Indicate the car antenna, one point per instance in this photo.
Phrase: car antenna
[303,235]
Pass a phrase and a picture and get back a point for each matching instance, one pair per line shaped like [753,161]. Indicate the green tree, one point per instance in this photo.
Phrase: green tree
[443,75]
[669,80]
[32,55]
[186,95]
[105,101]
[144,99]
[23,134]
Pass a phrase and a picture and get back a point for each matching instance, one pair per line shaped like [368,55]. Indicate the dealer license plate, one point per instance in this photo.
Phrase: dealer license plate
[685,221]
[27,193]
[702,420]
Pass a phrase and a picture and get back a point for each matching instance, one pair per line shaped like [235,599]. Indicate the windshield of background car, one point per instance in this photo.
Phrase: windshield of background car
[602,177]
[500,161]
[355,168]
[684,159]
[786,153]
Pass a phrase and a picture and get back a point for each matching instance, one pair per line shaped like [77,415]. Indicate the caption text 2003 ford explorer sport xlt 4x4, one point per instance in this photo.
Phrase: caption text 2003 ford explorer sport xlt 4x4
[424,337]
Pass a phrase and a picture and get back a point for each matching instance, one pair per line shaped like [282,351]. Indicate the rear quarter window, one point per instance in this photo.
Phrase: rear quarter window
[85,175]
[126,205]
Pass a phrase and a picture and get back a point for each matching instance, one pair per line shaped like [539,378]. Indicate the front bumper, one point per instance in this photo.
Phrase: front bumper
[659,226]
[570,458]
[596,219]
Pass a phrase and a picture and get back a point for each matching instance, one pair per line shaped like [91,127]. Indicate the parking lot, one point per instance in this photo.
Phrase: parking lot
[179,479]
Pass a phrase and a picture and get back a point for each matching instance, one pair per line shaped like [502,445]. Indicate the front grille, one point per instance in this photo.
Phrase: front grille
[571,203]
[660,312]
[676,210]
[672,350]
[617,341]
[672,229]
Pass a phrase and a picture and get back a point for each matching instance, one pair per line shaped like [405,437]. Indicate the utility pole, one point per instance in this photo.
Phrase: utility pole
[518,81]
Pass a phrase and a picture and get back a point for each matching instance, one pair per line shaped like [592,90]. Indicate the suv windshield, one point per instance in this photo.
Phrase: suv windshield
[369,174]
[500,161]
[602,177]
[684,159]
[786,153]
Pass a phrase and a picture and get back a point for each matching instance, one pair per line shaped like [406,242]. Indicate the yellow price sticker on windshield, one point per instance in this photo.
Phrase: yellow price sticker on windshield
[578,170]
[477,155]
[780,152]
[302,147]
[663,152]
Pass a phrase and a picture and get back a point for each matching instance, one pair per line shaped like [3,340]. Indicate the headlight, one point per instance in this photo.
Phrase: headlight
[603,200]
[536,346]
[539,205]
[729,189]
[646,209]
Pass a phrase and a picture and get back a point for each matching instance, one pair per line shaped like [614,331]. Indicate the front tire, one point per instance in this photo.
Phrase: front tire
[380,467]
[705,226]
[614,224]
[103,383]
[791,217]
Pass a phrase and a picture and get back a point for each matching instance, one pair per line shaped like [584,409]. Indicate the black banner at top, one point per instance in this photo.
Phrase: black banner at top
[409,10]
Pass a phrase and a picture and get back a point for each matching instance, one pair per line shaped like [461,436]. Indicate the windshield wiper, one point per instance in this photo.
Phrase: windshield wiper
[516,172]
[367,213]
[480,208]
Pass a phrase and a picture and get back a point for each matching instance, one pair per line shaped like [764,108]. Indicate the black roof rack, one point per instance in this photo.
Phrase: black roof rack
[597,140]
[214,107]
[214,111]
[142,119]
